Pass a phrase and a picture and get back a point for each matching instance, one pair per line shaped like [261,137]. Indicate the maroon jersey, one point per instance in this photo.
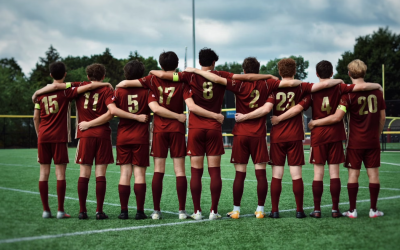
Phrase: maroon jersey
[54,115]
[170,95]
[363,110]
[250,96]
[133,100]
[207,95]
[324,103]
[91,105]
[283,99]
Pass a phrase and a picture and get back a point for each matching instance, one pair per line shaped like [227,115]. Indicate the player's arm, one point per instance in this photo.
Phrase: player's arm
[93,85]
[36,118]
[287,115]
[166,113]
[193,107]
[332,119]
[129,83]
[164,75]
[382,120]
[84,125]
[261,111]
[367,86]
[325,84]
[208,75]
[289,83]
[115,111]
[253,77]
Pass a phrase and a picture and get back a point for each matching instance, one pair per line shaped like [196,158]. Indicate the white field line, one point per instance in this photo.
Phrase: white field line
[43,237]
[389,163]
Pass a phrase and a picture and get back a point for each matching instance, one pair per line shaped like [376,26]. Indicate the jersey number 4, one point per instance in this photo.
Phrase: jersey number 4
[49,101]
[325,105]
[170,91]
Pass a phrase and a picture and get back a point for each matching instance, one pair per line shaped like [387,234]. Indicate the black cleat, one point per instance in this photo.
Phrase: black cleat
[101,216]
[123,215]
[83,216]
[300,215]
[336,214]
[140,216]
[274,215]
[316,214]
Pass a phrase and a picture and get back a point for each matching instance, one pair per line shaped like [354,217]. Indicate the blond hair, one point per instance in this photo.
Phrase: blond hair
[357,69]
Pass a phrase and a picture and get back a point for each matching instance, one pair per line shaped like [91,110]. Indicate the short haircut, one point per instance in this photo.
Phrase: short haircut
[287,67]
[57,70]
[133,70]
[324,69]
[207,56]
[96,71]
[168,60]
[357,69]
[251,65]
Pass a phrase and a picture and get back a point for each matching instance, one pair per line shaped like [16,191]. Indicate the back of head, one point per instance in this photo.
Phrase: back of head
[357,69]
[96,71]
[287,67]
[207,56]
[57,70]
[168,61]
[133,70]
[324,69]
[251,65]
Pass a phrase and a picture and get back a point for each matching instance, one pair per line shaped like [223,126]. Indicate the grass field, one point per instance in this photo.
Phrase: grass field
[22,227]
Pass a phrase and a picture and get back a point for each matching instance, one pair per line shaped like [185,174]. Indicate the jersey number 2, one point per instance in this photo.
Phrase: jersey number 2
[372,104]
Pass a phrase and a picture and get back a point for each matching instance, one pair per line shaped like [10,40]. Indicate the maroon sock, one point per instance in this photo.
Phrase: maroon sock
[374,192]
[238,186]
[215,187]
[262,186]
[156,187]
[61,187]
[140,193]
[335,192]
[352,189]
[276,189]
[100,192]
[83,184]
[44,194]
[195,187]
[298,190]
[317,189]
[124,193]
[181,189]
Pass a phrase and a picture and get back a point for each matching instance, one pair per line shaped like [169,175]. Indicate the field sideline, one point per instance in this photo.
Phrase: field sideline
[22,227]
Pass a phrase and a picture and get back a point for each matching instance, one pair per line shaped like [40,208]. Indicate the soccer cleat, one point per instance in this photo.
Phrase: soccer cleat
[233,214]
[375,213]
[46,214]
[183,215]
[101,216]
[197,216]
[351,214]
[156,215]
[300,215]
[274,215]
[83,216]
[214,216]
[336,214]
[140,216]
[259,214]
[316,214]
[62,215]
[123,215]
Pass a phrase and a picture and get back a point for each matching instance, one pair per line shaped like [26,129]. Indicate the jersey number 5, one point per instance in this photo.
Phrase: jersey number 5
[50,102]
[134,102]
[170,91]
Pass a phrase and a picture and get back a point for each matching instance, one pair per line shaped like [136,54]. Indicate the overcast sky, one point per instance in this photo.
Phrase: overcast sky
[314,29]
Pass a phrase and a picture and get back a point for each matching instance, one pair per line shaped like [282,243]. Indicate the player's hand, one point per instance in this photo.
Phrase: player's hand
[122,84]
[311,125]
[220,118]
[182,118]
[275,78]
[275,120]
[34,98]
[110,86]
[190,69]
[142,118]
[84,126]
[239,117]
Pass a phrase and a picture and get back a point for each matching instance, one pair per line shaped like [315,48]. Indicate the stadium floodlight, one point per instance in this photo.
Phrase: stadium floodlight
[194,36]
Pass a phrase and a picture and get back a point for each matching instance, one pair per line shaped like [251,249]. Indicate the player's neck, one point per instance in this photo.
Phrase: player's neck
[171,71]
[358,81]
[323,79]
[58,81]
[288,78]
[210,68]
[96,81]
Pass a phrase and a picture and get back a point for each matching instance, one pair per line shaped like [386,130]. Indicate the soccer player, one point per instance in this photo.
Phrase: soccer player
[169,133]
[326,142]
[366,118]
[205,134]
[51,123]
[249,137]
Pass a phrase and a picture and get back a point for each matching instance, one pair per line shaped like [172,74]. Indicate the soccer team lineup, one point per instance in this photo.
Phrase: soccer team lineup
[152,122]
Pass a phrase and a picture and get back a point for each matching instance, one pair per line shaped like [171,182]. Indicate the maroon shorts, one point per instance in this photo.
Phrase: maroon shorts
[56,151]
[135,154]
[205,141]
[244,146]
[90,148]
[330,152]
[370,157]
[292,149]
[173,140]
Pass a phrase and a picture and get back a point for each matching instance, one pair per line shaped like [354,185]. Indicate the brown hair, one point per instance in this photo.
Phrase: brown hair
[133,70]
[357,69]
[287,67]
[324,69]
[251,65]
[96,71]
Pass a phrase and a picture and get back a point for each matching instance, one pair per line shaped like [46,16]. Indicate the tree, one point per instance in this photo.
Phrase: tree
[272,67]
[41,74]
[382,47]
[150,63]
[232,67]
[114,68]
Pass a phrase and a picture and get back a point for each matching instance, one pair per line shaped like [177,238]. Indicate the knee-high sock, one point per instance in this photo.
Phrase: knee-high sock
[156,187]
[124,193]
[298,190]
[335,188]
[215,187]
[262,186]
[238,186]
[276,189]
[61,186]
[100,192]
[83,184]
[181,189]
[352,189]
[317,189]
[44,194]
[195,187]
[140,193]
[374,192]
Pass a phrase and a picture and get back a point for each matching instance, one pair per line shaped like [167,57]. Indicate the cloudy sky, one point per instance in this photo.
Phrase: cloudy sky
[315,29]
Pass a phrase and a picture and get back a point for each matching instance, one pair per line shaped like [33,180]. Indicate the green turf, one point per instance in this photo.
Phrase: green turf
[20,213]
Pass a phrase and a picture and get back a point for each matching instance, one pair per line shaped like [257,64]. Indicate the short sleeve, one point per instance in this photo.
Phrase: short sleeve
[345,101]
[306,87]
[185,77]
[225,74]
[71,93]
[146,81]
[346,88]
[305,102]
[152,97]
[271,98]
[187,92]
[273,84]
[109,97]
[233,85]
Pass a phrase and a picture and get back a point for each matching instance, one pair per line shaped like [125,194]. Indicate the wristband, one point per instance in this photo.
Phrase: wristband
[37,106]
[175,77]
[68,85]
[343,108]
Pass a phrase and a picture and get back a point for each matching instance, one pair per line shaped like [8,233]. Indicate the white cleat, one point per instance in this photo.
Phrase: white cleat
[156,215]
[62,215]
[197,216]
[374,214]
[46,214]
[350,214]
[214,216]
[183,215]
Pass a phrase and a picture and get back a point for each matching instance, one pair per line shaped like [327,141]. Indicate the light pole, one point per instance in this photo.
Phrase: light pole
[194,36]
